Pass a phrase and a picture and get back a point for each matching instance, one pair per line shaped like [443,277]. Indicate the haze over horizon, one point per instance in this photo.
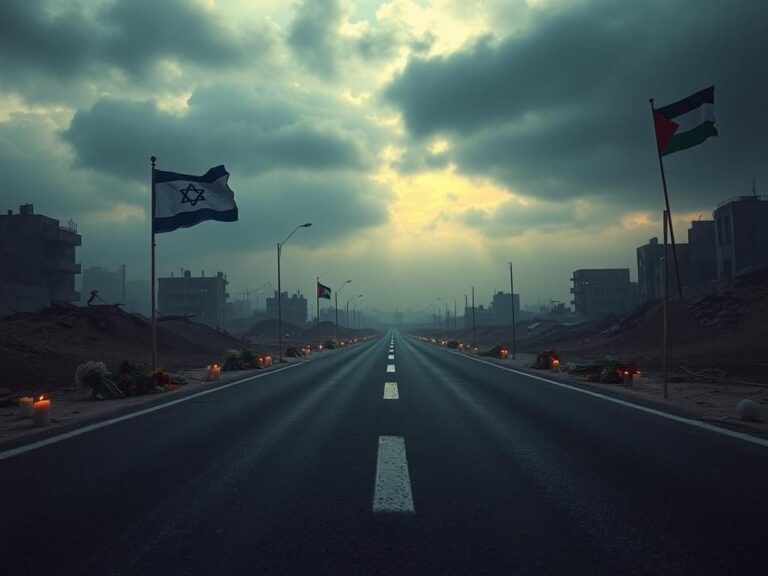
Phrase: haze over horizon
[425,141]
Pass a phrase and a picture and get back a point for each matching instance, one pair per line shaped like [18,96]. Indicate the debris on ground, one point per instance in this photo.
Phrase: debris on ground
[498,351]
[546,359]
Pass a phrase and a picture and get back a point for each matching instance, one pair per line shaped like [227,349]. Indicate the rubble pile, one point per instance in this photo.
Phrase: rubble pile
[718,309]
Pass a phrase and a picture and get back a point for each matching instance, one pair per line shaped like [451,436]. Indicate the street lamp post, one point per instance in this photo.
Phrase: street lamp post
[347,313]
[336,306]
[474,337]
[512,297]
[280,293]
[447,319]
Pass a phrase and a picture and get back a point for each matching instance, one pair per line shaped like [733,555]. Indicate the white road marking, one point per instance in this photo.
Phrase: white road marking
[695,423]
[103,424]
[392,492]
[391,357]
[390,367]
[390,391]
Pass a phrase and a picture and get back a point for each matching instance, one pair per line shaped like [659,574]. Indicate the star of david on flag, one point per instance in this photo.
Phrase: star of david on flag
[183,200]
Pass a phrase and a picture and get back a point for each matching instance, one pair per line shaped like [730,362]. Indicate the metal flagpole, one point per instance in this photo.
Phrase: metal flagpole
[665,303]
[669,212]
[512,296]
[279,309]
[317,292]
[153,159]
[474,338]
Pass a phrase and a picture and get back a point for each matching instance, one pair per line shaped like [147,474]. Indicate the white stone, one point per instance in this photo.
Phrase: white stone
[749,410]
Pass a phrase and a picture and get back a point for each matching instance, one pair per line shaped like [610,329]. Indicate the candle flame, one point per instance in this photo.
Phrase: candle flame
[41,398]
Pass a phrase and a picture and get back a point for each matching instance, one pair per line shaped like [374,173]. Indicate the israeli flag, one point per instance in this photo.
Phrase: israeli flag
[181,200]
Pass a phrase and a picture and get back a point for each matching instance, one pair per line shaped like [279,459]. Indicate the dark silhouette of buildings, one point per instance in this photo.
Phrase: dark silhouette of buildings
[294,308]
[501,306]
[697,261]
[203,297]
[742,236]
[601,291]
[37,260]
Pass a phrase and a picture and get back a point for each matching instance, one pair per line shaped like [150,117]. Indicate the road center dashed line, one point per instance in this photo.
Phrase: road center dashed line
[390,391]
[390,367]
[392,490]
[391,357]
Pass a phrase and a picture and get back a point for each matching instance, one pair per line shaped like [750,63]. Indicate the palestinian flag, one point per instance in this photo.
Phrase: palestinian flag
[323,291]
[685,123]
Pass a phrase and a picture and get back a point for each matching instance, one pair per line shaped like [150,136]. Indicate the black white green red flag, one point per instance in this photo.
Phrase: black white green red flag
[685,123]
[323,291]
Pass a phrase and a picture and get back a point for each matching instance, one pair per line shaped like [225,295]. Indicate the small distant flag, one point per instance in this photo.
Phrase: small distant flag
[685,123]
[323,291]
[182,200]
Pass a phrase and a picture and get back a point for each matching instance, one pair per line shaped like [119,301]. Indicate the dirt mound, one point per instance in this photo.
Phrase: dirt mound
[267,330]
[727,331]
[202,334]
[42,349]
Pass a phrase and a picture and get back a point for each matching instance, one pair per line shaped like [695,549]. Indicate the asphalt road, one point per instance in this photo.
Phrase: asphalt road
[310,470]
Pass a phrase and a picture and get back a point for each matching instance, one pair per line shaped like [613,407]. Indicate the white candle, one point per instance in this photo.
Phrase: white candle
[41,414]
[26,406]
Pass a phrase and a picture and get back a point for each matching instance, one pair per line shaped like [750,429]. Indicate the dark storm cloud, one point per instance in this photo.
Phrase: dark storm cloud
[317,44]
[561,110]
[47,40]
[313,35]
[27,173]
[248,133]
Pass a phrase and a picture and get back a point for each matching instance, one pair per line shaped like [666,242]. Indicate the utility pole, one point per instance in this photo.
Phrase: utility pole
[512,297]
[474,334]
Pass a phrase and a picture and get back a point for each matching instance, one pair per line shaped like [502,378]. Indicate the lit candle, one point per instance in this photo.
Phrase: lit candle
[627,379]
[556,364]
[26,406]
[41,414]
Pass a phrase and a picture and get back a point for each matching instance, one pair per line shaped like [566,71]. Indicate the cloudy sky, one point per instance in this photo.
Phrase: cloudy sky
[425,140]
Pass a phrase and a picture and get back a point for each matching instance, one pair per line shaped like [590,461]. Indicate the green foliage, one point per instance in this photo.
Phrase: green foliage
[248,357]
[229,360]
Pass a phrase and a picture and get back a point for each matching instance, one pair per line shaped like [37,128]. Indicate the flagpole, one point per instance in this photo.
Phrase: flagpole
[669,212]
[317,294]
[665,303]
[153,159]
[512,296]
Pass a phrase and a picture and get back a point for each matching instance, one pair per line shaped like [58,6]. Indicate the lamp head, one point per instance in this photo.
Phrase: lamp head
[307,225]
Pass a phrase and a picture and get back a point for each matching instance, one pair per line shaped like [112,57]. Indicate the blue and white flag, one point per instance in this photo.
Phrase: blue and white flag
[182,200]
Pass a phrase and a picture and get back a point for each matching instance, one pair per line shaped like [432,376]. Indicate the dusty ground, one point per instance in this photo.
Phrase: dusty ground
[722,334]
[41,350]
